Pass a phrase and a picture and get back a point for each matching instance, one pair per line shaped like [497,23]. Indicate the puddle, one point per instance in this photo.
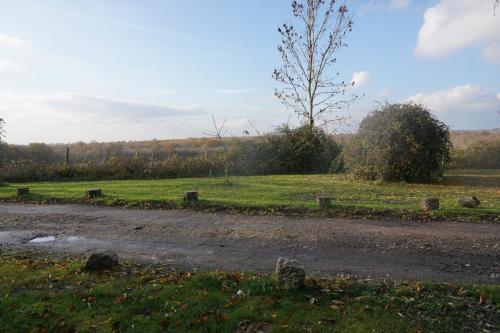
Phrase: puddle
[74,239]
[44,239]
[48,239]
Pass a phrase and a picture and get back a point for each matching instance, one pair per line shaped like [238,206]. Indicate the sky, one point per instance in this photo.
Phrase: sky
[122,70]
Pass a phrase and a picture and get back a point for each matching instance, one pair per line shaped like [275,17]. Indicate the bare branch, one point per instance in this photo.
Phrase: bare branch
[309,86]
[220,133]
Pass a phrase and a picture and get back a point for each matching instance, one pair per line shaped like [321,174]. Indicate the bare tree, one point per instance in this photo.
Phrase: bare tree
[2,136]
[2,131]
[220,133]
[311,87]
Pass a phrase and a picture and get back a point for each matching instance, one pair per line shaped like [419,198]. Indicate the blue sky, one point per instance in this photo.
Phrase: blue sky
[132,70]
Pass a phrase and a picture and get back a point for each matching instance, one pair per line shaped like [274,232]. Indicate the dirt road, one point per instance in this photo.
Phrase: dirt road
[439,251]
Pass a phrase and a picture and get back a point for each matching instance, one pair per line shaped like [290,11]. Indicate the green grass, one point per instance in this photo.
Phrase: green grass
[48,295]
[290,194]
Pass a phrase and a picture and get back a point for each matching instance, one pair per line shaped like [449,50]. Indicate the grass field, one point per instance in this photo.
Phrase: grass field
[289,194]
[47,295]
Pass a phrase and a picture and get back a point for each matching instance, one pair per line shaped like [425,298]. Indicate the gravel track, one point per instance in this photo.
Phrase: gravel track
[436,251]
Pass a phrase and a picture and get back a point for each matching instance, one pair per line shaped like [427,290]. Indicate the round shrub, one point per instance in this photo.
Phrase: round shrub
[399,142]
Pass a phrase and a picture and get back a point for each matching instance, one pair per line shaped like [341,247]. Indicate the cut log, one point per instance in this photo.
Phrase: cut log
[93,192]
[429,204]
[191,196]
[324,202]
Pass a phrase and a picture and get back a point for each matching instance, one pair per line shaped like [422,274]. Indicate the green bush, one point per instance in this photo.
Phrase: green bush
[399,142]
[286,150]
[304,149]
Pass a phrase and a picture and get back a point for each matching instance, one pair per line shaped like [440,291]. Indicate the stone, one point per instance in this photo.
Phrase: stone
[22,191]
[191,196]
[324,202]
[290,274]
[100,260]
[93,192]
[429,204]
[469,202]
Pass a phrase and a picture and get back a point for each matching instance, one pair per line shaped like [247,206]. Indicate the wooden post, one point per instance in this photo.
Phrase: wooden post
[191,196]
[94,192]
[429,204]
[67,155]
[22,191]
[324,202]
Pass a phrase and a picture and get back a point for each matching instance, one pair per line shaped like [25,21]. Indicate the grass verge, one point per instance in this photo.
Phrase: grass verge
[287,195]
[55,295]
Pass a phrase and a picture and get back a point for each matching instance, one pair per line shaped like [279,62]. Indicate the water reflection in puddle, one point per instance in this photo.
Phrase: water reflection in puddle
[47,239]
[44,239]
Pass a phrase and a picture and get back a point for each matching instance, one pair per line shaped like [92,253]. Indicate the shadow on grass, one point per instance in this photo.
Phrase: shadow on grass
[472,180]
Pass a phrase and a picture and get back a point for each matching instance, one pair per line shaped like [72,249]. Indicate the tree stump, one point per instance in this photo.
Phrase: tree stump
[93,192]
[324,202]
[22,191]
[429,204]
[191,196]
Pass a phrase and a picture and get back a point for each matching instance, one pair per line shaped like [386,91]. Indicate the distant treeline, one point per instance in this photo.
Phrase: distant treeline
[160,150]
[98,152]
[479,155]
[284,151]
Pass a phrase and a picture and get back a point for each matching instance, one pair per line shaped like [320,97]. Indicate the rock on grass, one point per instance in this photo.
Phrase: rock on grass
[290,274]
[100,260]
[469,202]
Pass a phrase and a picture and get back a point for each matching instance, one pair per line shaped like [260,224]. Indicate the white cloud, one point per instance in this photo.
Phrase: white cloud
[80,107]
[454,24]
[463,107]
[70,117]
[360,78]
[385,5]
[8,41]
[8,66]
[468,96]
[105,107]
[491,53]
